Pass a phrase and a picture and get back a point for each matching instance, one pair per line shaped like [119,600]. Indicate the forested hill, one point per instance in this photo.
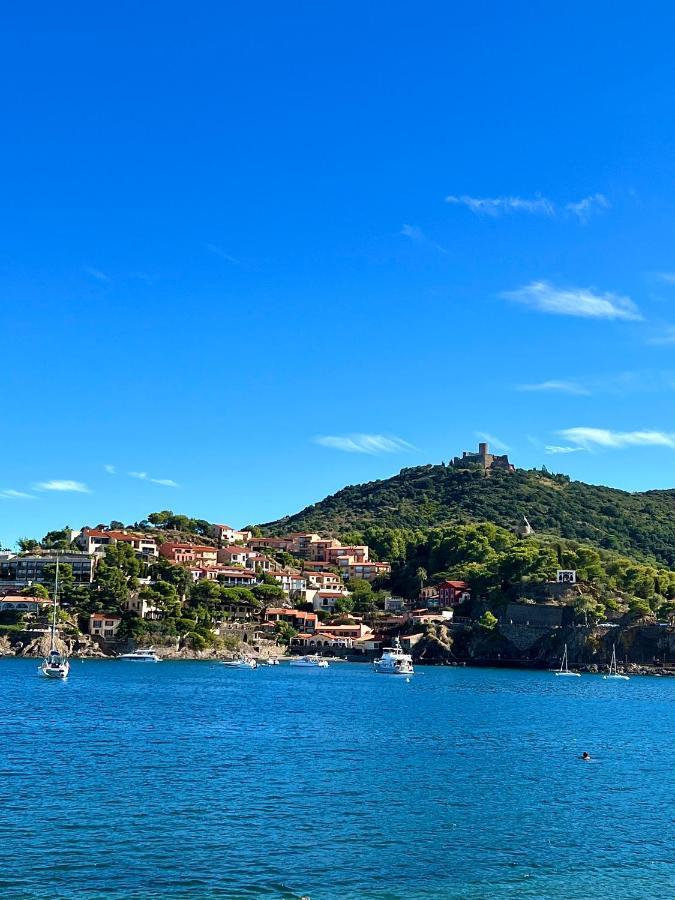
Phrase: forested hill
[640,524]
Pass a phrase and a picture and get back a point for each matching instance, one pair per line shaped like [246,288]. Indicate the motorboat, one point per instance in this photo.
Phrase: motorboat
[272,661]
[310,662]
[55,664]
[394,661]
[148,655]
[241,662]
[564,668]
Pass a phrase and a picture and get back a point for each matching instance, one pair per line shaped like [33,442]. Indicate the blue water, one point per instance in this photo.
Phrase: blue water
[189,780]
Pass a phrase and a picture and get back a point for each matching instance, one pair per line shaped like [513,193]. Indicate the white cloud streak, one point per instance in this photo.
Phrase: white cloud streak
[111,470]
[556,449]
[497,444]
[665,337]
[372,444]
[97,274]
[11,494]
[590,438]
[581,302]
[143,476]
[588,206]
[56,484]
[497,206]
[562,387]
[582,209]
[223,254]
[415,234]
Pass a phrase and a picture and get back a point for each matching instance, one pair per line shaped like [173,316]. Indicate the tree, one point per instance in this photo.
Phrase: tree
[65,577]
[488,620]
[268,594]
[421,577]
[28,545]
[284,632]
[116,526]
[344,605]
[35,590]
[160,518]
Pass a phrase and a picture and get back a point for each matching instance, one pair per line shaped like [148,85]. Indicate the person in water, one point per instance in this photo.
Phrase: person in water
[585,756]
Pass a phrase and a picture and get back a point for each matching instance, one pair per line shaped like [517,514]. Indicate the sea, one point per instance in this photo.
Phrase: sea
[192,780]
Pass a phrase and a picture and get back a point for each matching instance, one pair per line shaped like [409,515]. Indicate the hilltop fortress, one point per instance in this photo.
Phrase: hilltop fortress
[484,460]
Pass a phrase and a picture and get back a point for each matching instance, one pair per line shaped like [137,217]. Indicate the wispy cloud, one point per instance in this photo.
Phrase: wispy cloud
[143,476]
[562,387]
[665,277]
[372,444]
[111,470]
[56,484]
[223,254]
[497,206]
[416,235]
[582,209]
[10,494]
[664,337]
[555,449]
[589,438]
[97,274]
[582,302]
[588,206]
[492,439]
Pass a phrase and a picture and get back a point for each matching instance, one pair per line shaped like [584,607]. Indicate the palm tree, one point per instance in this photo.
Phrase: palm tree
[422,577]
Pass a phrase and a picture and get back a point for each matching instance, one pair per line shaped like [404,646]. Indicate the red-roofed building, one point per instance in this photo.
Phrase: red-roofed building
[303,621]
[452,593]
[104,625]
[226,534]
[95,540]
[181,553]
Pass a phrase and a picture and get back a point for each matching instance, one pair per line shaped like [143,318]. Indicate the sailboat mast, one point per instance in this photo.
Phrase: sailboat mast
[56,594]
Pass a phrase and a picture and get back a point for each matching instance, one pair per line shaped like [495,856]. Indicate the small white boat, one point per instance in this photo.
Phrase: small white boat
[310,662]
[613,671]
[148,655]
[564,668]
[241,662]
[394,661]
[273,661]
[55,665]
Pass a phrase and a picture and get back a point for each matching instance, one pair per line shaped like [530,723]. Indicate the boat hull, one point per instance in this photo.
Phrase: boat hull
[568,674]
[58,672]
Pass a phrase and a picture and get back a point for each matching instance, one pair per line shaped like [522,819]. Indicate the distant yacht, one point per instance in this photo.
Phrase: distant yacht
[613,672]
[564,668]
[241,662]
[394,661]
[310,662]
[55,665]
[148,655]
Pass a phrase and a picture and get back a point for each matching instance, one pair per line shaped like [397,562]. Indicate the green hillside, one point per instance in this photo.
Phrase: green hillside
[639,524]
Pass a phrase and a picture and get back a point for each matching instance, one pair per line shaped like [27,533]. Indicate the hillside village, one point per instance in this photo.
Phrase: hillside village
[189,587]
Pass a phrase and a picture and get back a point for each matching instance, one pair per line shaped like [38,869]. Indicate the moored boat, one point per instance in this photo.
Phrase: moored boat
[564,668]
[310,662]
[394,661]
[148,655]
[613,672]
[55,664]
[240,662]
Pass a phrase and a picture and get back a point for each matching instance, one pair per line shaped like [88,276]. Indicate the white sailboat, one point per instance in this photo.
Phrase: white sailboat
[613,671]
[55,665]
[564,668]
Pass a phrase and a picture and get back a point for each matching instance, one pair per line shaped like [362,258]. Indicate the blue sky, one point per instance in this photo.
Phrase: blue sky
[255,252]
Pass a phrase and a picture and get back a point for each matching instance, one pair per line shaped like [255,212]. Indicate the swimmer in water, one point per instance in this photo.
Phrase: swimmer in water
[585,756]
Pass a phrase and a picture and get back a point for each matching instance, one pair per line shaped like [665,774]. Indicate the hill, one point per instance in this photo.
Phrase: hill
[641,525]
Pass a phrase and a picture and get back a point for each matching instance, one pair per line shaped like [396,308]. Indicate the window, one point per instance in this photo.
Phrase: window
[108,632]
[97,623]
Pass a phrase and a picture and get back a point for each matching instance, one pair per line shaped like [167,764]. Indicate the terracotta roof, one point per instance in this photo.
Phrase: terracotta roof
[103,615]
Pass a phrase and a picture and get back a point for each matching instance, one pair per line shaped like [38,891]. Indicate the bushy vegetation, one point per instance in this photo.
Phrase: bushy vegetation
[636,524]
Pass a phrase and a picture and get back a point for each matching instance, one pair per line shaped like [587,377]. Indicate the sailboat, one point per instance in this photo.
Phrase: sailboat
[564,668]
[55,665]
[613,672]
